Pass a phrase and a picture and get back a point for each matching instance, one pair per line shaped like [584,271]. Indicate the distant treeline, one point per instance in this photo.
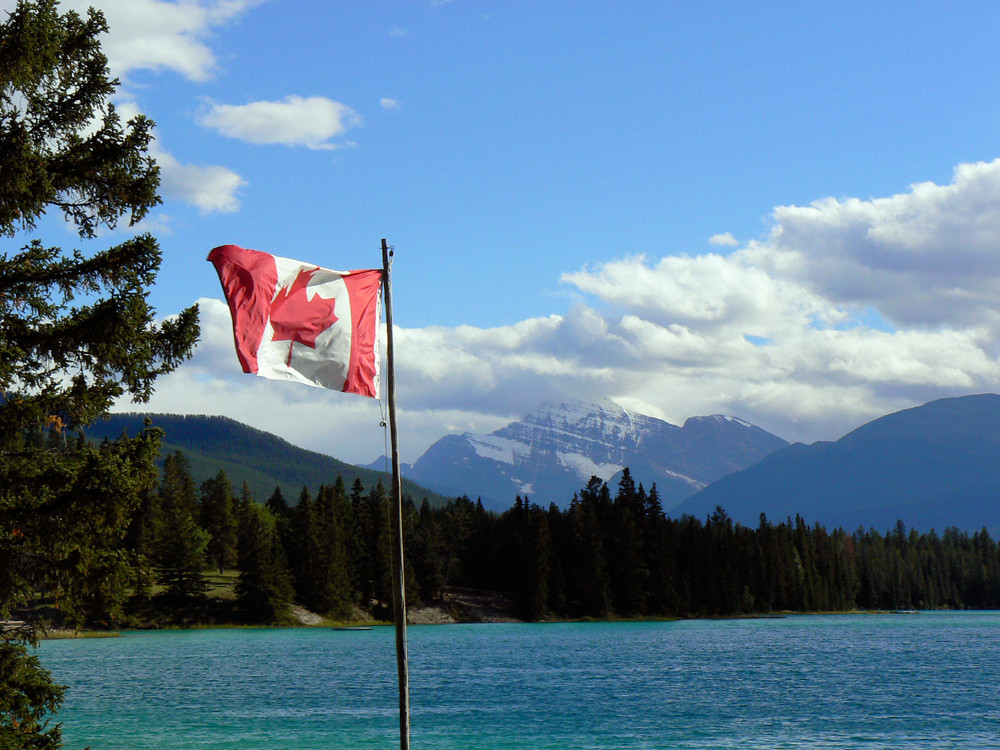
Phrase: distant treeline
[602,556]
[622,556]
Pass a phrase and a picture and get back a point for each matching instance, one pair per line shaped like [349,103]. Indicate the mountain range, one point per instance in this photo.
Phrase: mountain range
[556,449]
[933,466]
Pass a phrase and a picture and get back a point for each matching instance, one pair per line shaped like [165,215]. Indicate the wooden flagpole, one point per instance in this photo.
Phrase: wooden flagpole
[398,579]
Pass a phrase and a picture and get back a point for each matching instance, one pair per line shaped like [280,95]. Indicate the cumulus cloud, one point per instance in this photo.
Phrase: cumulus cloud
[213,189]
[712,292]
[779,333]
[296,121]
[926,257]
[390,103]
[158,35]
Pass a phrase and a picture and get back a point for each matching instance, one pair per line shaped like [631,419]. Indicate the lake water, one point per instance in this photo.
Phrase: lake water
[927,680]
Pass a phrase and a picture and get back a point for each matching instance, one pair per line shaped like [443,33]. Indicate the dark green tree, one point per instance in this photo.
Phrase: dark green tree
[375,561]
[27,694]
[140,541]
[218,518]
[588,587]
[181,544]
[180,555]
[303,548]
[76,331]
[428,561]
[626,557]
[277,504]
[533,593]
[332,594]
[263,588]
[658,557]
[177,488]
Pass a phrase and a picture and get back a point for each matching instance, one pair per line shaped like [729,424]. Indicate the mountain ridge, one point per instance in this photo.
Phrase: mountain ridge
[931,466]
[264,460]
[555,449]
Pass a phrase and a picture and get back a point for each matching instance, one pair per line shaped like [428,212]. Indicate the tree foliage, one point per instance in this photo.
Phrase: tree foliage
[63,144]
[624,556]
[27,695]
[263,590]
[76,331]
[603,555]
[218,518]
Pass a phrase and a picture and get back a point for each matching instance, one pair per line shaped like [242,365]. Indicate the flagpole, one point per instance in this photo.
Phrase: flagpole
[398,579]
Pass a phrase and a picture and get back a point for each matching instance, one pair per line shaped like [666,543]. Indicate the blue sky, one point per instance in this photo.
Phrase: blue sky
[786,212]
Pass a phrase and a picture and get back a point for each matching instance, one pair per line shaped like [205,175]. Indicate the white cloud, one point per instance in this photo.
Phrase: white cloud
[296,121]
[157,35]
[390,103]
[710,291]
[927,257]
[723,240]
[213,189]
[777,333]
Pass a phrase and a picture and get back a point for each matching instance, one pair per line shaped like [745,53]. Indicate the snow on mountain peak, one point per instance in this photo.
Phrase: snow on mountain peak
[558,447]
[717,418]
[605,421]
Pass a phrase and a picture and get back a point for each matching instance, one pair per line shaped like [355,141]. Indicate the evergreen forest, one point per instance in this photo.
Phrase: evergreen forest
[603,556]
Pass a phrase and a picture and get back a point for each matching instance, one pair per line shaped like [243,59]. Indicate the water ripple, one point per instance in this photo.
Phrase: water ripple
[875,681]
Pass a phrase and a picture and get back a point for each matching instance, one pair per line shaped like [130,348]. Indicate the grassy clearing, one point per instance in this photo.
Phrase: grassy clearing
[221,585]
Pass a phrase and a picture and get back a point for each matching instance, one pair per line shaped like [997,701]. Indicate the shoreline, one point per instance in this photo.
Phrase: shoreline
[438,616]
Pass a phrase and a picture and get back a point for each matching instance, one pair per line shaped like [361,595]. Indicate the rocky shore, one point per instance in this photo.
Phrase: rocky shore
[456,605]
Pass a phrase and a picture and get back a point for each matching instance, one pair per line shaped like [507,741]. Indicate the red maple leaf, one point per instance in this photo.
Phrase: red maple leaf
[295,317]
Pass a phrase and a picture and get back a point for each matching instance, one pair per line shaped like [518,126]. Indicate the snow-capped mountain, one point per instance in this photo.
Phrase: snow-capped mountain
[556,449]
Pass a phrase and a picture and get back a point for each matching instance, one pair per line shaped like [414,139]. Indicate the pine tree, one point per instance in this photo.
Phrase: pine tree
[303,548]
[658,557]
[140,541]
[218,518]
[376,585]
[181,544]
[428,561]
[626,558]
[177,488]
[277,504]
[534,593]
[263,588]
[332,594]
[354,543]
[27,696]
[180,554]
[589,589]
[63,361]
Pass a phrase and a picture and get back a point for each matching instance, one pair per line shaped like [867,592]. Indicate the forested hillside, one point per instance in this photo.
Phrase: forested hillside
[934,465]
[245,454]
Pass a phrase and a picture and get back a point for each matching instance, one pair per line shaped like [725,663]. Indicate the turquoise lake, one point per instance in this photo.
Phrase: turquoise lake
[927,680]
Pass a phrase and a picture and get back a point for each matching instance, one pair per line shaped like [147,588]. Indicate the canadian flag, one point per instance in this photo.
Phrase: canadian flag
[296,321]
